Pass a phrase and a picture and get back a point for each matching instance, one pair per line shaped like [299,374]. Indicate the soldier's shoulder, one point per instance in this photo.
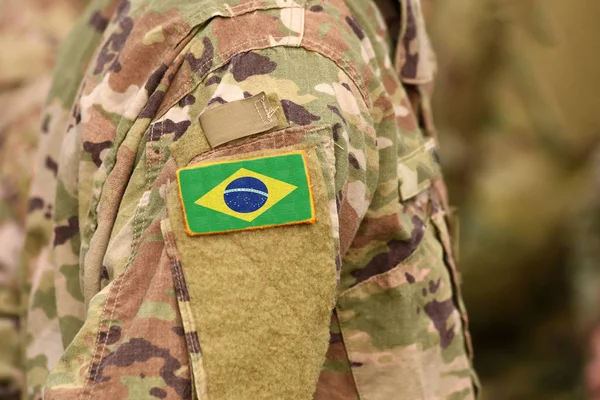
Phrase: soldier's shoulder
[208,33]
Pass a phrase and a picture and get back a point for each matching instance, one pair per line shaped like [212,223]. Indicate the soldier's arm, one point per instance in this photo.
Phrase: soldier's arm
[213,250]
[264,296]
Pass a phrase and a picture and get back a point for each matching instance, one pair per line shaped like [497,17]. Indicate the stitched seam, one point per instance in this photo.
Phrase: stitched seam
[135,240]
[244,7]
[407,260]
[454,276]
[181,284]
[325,50]
[258,111]
[231,12]
[235,11]
[206,13]
[301,37]
[96,345]
[289,40]
[136,227]
[110,324]
[136,221]
[196,358]
[347,349]
[268,112]
[201,157]
[226,56]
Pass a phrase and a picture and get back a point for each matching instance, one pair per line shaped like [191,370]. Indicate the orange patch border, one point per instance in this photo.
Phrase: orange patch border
[311,220]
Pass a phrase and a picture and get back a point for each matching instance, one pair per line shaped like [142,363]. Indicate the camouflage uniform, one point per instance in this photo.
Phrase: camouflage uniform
[29,35]
[362,303]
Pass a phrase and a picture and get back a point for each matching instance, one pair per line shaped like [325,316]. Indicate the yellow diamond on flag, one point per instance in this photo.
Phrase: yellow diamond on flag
[245,195]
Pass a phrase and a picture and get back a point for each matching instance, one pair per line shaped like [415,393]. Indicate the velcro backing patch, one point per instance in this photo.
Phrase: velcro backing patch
[239,195]
[261,301]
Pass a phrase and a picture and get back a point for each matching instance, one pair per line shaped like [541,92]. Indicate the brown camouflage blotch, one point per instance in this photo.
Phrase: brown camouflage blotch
[112,337]
[390,84]
[141,351]
[97,128]
[249,64]
[203,64]
[166,127]
[439,312]
[139,60]
[297,114]
[63,233]
[398,251]
[337,112]
[155,78]
[109,53]
[355,26]
[154,103]
[51,165]
[136,350]
[385,105]
[411,62]
[98,21]
[376,229]
[349,222]
[434,285]
[96,149]
[35,203]
[187,101]
[336,386]
[213,80]
[158,393]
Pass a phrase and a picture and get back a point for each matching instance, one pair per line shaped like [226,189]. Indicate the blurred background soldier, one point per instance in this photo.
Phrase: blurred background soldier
[517,115]
[30,32]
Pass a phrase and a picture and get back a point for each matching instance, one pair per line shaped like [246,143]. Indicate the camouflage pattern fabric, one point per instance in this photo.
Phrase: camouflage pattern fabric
[518,142]
[112,311]
[29,35]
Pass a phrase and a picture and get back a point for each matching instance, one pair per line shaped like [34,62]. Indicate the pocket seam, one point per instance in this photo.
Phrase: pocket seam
[407,259]
[257,140]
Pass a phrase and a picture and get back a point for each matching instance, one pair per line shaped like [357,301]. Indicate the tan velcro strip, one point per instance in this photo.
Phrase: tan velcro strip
[238,119]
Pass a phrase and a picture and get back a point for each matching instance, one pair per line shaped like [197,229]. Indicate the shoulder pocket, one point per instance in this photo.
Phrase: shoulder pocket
[256,277]
[417,170]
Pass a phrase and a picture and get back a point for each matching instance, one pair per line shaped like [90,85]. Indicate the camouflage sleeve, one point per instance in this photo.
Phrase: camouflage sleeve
[50,297]
[29,33]
[313,109]
[19,127]
[259,214]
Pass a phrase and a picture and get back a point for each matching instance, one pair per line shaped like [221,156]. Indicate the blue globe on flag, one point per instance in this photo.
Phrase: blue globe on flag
[246,194]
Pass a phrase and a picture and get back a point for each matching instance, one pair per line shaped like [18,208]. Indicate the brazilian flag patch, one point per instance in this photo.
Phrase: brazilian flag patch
[246,194]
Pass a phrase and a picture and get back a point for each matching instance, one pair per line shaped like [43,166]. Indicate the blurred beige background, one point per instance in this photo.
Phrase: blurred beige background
[30,32]
[518,118]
